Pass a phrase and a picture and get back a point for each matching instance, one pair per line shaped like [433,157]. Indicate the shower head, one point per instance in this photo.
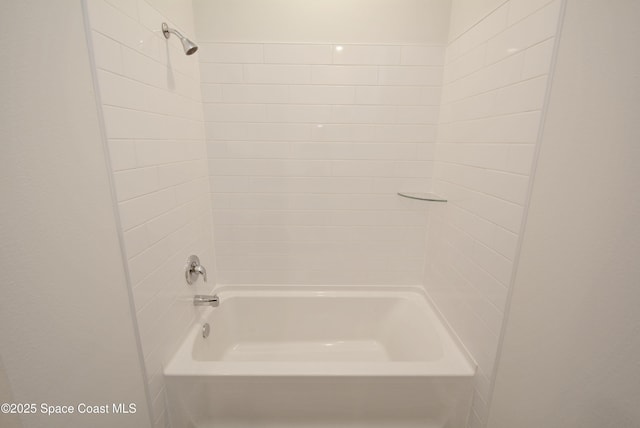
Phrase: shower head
[188,46]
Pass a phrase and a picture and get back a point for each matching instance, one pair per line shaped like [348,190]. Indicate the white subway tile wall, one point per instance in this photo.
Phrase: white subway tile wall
[495,81]
[308,145]
[151,98]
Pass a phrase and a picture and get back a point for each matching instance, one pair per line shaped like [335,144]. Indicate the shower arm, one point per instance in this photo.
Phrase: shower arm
[167,31]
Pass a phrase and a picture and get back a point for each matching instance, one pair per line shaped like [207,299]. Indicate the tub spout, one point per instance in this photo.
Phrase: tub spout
[202,300]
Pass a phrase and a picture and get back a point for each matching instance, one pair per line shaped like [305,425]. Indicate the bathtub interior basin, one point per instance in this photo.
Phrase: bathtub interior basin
[320,357]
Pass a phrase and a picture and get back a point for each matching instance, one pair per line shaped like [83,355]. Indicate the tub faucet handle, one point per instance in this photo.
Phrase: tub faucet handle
[193,269]
[202,271]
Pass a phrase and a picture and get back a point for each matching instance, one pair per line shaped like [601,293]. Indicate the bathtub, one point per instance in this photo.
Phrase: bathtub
[319,357]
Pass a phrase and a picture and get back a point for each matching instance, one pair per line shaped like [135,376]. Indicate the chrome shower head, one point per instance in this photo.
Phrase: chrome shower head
[188,46]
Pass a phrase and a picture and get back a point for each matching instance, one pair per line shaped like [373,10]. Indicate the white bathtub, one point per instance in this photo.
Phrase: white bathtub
[320,357]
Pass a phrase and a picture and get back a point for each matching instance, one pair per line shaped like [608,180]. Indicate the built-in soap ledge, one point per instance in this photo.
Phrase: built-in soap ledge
[422,196]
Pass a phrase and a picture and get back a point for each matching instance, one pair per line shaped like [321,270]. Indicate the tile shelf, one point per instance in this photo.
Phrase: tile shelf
[422,196]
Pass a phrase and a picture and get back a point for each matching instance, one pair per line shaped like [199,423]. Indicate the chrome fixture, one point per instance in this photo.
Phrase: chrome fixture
[193,269]
[189,47]
[203,300]
[205,330]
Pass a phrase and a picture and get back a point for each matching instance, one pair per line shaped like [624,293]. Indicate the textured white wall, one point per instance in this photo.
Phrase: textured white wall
[571,352]
[323,21]
[150,96]
[495,80]
[309,144]
[66,323]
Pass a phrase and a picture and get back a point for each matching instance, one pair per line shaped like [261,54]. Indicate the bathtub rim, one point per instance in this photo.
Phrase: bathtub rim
[181,363]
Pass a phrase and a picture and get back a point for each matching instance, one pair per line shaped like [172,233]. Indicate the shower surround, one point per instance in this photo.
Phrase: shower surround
[307,141]
[149,93]
[495,82]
